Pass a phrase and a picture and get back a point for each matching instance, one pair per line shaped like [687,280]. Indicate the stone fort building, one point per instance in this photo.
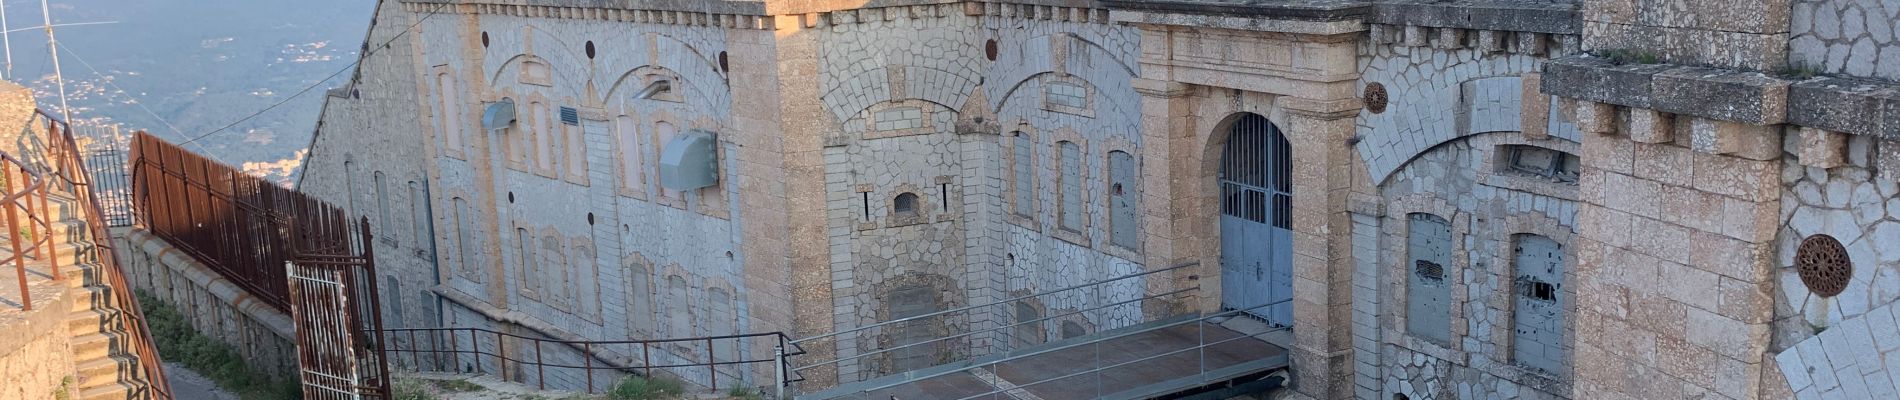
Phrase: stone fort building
[1604,199]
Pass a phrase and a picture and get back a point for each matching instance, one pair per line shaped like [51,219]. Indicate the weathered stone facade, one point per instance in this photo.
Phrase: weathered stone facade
[1540,199]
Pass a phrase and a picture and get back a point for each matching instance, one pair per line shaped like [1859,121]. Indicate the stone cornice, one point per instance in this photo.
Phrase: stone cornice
[1849,105]
[1493,15]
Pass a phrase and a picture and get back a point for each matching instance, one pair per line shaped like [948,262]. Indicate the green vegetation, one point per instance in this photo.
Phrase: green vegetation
[1630,56]
[458,385]
[410,389]
[647,388]
[65,389]
[744,392]
[178,342]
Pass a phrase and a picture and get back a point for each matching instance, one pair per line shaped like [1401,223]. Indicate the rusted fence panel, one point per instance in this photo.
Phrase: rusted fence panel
[238,225]
[333,300]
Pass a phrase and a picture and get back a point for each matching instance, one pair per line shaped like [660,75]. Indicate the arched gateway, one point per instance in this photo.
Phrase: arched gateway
[1255,224]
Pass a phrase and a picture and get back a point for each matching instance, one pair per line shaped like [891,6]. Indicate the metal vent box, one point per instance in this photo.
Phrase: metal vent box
[690,161]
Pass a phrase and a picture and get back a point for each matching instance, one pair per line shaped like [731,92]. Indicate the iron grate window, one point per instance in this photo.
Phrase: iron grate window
[570,116]
[1431,272]
[1535,289]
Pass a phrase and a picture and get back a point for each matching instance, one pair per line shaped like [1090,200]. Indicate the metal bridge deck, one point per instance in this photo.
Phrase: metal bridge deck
[1126,366]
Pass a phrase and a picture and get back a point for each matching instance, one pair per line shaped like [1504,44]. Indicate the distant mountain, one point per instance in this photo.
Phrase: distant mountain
[196,65]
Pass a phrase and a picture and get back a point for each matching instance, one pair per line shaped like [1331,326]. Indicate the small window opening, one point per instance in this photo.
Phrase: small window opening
[511,197]
[590,218]
[867,205]
[905,205]
[1116,188]
[590,49]
[943,190]
[484,40]
[1556,165]
[1534,289]
[1430,271]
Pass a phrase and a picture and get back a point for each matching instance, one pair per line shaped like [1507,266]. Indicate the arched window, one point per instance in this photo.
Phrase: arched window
[679,301]
[583,278]
[1122,196]
[553,270]
[1539,314]
[1069,185]
[720,321]
[1428,290]
[627,133]
[905,205]
[1070,329]
[1023,174]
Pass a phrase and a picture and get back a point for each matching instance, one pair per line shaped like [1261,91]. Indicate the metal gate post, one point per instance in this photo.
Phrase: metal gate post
[778,370]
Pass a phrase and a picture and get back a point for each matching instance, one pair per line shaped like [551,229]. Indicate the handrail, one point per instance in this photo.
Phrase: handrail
[69,168]
[586,347]
[994,303]
[38,229]
[1117,335]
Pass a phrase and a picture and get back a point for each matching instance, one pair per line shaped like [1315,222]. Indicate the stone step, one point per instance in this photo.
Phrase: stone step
[95,345]
[94,297]
[104,371]
[110,391]
[92,321]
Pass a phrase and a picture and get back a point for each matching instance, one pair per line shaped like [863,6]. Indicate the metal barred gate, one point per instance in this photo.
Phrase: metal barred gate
[334,304]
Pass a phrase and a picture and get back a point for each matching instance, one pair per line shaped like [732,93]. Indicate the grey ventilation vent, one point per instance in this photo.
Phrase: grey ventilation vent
[570,116]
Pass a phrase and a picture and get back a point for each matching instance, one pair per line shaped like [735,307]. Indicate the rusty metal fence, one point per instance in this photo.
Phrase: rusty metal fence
[334,303]
[112,174]
[234,223]
[518,358]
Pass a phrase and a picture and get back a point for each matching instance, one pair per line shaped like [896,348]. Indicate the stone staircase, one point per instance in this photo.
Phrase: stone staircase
[105,364]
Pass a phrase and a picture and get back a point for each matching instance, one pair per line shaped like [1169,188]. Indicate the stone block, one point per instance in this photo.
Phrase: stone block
[1532,43]
[1754,142]
[1448,38]
[1749,97]
[1535,106]
[1651,126]
[1822,148]
[1507,17]
[1489,41]
[1598,79]
[1416,36]
[1596,118]
[1858,106]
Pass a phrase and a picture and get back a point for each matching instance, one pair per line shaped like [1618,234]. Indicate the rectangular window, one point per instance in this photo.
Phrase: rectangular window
[1538,315]
[524,264]
[1122,196]
[1428,291]
[449,114]
[382,208]
[1070,185]
[663,133]
[541,132]
[467,249]
[576,150]
[423,224]
[1024,182]
[627,130]
[1538,161]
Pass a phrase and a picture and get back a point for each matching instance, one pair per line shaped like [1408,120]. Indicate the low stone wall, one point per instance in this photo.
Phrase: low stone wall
[216,308]
[35,347]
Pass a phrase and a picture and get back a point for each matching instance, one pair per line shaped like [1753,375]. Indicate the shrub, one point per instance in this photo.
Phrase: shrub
[646,388]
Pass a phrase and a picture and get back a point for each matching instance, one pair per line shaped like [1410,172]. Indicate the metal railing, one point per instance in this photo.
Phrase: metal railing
[1007,307]
[446,349]
[112,174]
[68,172]
[37,229]
[1002,389]
[238,225]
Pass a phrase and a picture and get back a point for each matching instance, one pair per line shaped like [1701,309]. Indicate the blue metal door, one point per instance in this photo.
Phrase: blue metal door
[1256,215]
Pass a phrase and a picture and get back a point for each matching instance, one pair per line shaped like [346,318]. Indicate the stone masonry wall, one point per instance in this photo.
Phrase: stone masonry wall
[1846,37]
[1469,182]
[218,309]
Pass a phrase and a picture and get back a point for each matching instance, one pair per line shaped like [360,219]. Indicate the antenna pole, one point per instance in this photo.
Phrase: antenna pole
[6,39]
[52,45]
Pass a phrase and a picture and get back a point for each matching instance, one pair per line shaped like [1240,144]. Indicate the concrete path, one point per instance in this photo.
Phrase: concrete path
[188,384]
